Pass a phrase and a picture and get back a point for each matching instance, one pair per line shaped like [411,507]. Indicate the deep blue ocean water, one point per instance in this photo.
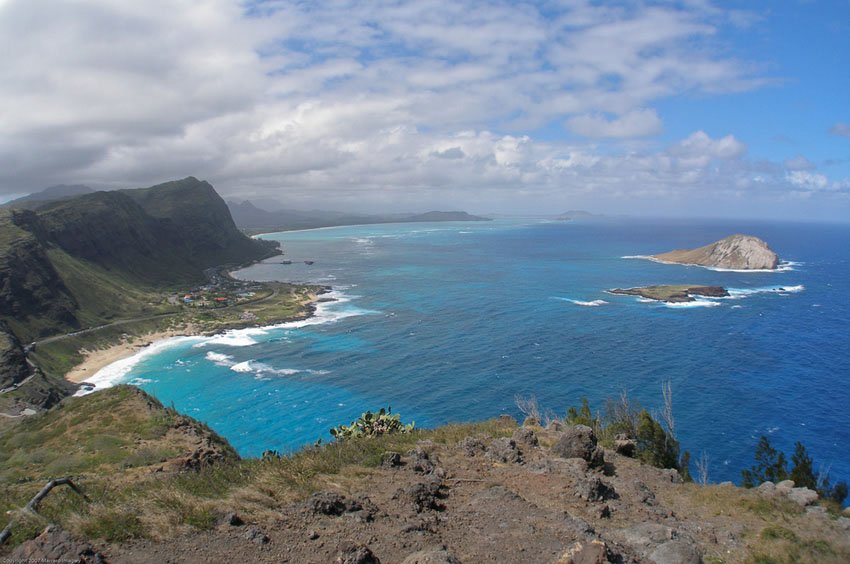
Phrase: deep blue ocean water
[449,322]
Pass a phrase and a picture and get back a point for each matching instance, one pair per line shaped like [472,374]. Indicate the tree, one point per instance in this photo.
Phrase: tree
[770,466]
[838,493]
[802,472]
[654,445]
[582,416]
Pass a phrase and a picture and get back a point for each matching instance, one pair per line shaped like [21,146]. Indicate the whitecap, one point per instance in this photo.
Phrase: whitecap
[242,367]
[695,303]
[592,303]
[114,373]
[220,358]
[740,293]
[140,381]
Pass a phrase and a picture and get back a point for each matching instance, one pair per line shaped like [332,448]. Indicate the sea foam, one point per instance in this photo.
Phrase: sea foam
[592,303]
[326,312]
[114,373]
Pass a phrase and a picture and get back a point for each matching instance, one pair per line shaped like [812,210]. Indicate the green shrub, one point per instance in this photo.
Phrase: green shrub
[373,425]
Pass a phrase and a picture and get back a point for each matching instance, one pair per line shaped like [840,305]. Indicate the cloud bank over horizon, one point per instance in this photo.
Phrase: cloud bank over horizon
[489,106]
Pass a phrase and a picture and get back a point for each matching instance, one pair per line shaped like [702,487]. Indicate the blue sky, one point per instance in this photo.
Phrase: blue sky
[686,107]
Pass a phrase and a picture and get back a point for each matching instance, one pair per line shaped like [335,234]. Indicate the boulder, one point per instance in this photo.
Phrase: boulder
[332,504]
[472,446]
[624,445]
[525,436]
[421,461]
[593,552]
[592,488]
[803,496]
[55,545]
[391,460]
[785,486]
[767,488]
[255,535]
[504,451]
[356,554]
[676,552]
[423,495]
[579,442]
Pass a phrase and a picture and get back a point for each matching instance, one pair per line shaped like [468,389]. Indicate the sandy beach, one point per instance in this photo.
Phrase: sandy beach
[100,358]
[94,360]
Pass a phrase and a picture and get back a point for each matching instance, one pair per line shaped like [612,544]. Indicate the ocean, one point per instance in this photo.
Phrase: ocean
[452,321]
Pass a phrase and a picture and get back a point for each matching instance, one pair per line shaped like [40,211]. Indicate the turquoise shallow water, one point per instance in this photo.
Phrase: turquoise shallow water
[449,322]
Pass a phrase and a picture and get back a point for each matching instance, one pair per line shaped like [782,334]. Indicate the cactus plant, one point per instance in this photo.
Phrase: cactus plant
[373,425]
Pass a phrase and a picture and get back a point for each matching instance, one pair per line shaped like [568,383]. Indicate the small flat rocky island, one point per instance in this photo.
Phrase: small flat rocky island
[674,293]
[736,252]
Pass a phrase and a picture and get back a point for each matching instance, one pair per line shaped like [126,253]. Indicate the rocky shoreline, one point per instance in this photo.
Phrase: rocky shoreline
[682,293]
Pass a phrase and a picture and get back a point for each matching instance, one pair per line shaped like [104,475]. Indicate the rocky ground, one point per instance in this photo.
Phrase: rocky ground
[540,496]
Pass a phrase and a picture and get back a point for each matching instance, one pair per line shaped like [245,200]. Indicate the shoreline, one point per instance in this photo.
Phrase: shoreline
[96,360]
[783,266]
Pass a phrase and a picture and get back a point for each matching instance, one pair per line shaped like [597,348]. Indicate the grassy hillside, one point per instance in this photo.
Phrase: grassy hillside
[87,260]
[478,489]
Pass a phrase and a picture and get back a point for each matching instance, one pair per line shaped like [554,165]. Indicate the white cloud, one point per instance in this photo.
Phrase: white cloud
[366,103]
[636,123]
[807,180]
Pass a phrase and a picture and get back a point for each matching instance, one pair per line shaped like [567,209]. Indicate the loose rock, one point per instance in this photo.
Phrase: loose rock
[525,436]
[803,496]
[55,545]
[676,552]
[624,445]
[472,446]
[576,442]
[423,495]
[593,552]
[421,461]
[356,554]
[255,535]
[593,488]
[391,460]
[505,451]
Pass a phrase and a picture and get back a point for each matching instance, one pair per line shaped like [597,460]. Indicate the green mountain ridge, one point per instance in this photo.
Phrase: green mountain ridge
[88,259]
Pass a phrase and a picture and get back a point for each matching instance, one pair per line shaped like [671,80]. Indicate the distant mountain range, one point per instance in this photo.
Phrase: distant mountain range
[576,214]
[253,219]
[60,192]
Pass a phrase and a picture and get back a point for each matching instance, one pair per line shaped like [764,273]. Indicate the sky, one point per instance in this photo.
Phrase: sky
[669,108]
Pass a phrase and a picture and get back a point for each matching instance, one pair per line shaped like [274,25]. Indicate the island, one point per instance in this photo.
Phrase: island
[680,293]
[736,252]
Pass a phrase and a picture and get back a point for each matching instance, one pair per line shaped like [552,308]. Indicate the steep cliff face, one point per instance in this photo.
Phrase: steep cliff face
[13,366]
[736,252]
[166,234]
[191,214]
[33,297]
[54,259]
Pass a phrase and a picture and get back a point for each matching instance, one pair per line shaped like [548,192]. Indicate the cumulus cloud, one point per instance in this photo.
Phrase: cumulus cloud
[807,180]
[361,103]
